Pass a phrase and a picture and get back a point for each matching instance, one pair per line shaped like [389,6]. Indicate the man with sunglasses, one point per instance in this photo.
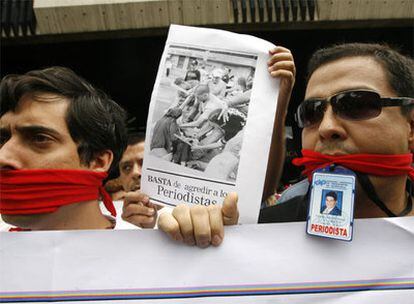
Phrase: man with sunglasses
[358,114]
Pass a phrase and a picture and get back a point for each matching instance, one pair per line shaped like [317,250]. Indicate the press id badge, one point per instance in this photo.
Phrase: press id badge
[331,206]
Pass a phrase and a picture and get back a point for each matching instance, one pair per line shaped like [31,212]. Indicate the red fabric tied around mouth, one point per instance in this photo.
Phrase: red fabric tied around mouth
[44,191]
[373,164]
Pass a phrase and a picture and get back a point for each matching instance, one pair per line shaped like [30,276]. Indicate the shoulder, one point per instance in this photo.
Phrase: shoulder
[299,189]
[291,206]
[336,211]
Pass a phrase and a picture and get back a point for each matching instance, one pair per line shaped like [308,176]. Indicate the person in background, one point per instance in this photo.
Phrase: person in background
[206,104]
[137,208]
[163,138]
[130,166]
[193,73]
[216,85]
[168,66]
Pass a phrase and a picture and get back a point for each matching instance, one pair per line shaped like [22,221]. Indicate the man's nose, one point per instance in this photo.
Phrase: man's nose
[10,155]
[137,170]
[331,127]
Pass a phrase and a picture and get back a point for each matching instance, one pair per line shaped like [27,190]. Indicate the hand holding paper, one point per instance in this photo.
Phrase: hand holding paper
[199,225]
[281,64]
[138,211]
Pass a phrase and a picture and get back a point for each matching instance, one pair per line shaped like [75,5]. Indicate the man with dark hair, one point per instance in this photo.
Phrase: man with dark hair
[330,206]
[130,166]
[357,113]
[59,138]
[136,209]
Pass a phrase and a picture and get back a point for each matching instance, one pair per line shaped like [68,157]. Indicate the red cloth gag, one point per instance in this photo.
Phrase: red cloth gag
[373,164]
[45,190]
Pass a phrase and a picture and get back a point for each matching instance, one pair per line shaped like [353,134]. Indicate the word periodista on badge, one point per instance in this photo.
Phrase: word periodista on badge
[329,230]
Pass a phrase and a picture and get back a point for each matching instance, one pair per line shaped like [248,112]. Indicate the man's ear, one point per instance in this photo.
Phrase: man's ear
[410,117]
[102,161]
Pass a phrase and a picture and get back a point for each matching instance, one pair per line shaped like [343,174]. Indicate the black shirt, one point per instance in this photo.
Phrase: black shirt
[293,210]
[192,75]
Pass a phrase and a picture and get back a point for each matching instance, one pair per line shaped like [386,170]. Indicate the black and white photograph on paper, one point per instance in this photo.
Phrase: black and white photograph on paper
[201,109]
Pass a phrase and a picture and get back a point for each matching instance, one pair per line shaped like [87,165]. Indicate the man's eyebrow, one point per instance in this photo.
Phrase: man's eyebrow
[125,162]
[37,129]
[4,131]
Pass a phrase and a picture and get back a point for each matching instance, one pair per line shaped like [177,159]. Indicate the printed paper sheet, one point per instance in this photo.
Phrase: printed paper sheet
[210,120]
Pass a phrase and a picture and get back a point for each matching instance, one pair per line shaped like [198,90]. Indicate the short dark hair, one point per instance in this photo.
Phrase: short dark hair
[136,137]
[399,68]
[95,122]
[332,194]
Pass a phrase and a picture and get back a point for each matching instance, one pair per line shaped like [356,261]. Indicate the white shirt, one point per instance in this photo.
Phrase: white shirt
[327,210]
[4,226]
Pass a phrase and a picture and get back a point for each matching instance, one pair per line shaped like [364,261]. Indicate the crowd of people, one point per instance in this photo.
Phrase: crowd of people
[210,110]
[60,137]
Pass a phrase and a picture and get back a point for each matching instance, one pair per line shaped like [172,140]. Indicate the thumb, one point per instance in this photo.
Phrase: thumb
[229,209]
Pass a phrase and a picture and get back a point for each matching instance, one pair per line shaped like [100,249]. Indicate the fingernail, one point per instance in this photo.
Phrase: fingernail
[216,240]
[178,237]
[189,241]
[151,211]
[203,244]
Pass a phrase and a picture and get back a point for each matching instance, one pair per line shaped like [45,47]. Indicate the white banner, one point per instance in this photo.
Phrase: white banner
[268,263]
[210,120]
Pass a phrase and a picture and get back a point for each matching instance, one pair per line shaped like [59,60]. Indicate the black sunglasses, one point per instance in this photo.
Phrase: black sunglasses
[350,105]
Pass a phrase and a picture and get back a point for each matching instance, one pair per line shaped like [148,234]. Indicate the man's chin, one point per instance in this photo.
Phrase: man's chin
[337,153]
[25,221]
